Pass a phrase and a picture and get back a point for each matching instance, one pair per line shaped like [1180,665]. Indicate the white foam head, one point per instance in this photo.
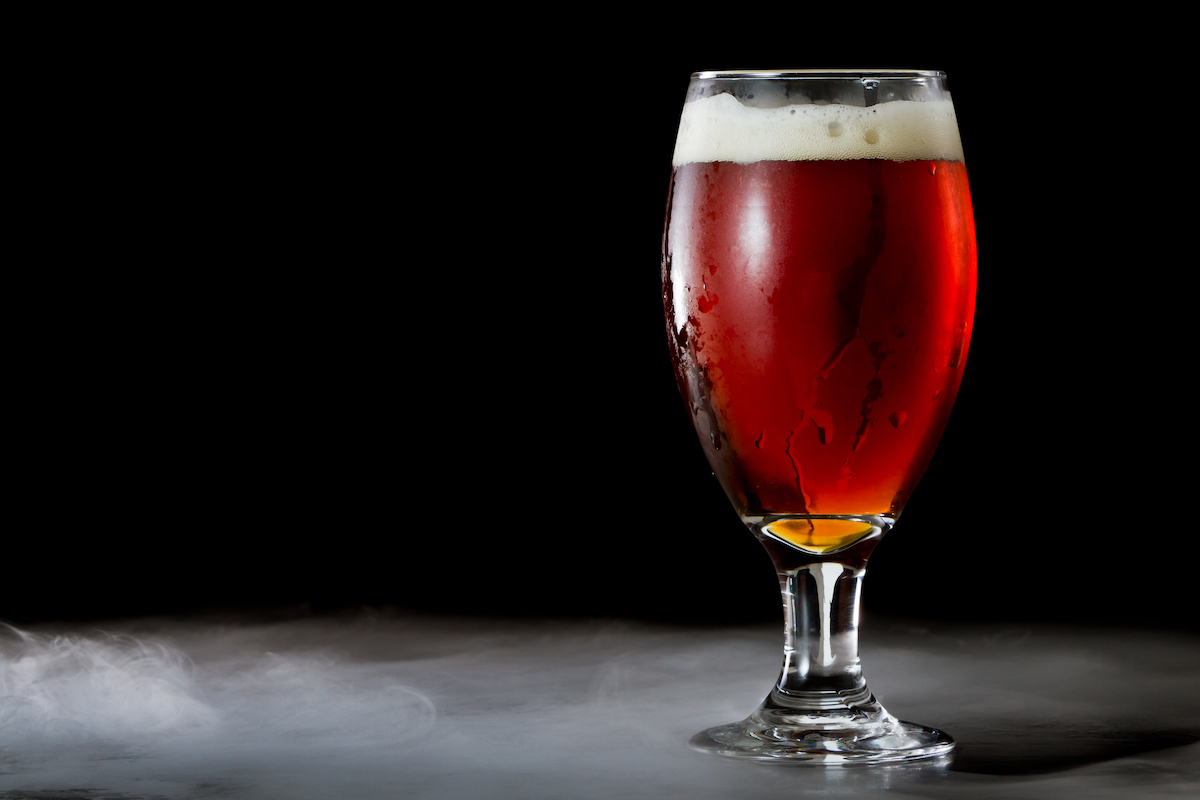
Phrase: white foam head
[720,128]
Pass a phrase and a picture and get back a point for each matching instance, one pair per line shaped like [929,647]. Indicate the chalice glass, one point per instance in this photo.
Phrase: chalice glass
[819,289]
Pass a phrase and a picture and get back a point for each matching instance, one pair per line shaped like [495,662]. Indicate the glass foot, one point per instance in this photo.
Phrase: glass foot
[886,740]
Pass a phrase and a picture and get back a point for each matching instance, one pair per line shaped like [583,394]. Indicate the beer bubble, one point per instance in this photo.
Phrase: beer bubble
[871,136]
[897,418]
[835,128]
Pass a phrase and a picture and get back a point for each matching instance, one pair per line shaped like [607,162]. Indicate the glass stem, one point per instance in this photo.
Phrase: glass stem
[820,603]
[821,674]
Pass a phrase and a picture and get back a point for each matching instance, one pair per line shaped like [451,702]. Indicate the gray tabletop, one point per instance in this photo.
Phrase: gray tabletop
[388,705]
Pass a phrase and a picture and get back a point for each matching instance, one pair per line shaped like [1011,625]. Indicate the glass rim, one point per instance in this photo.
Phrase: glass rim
[816,74]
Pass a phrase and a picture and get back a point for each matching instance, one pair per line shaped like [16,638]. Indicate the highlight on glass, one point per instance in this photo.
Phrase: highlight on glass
[818,274]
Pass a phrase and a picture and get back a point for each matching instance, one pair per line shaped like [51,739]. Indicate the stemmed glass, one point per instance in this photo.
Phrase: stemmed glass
[819,288]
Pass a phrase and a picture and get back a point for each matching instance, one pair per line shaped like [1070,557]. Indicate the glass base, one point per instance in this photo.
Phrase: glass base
[881,741]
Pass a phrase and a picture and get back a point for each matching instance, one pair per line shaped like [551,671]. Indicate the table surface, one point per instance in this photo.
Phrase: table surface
[390,705]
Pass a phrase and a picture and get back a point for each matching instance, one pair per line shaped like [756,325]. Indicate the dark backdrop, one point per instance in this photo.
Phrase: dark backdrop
[319,338]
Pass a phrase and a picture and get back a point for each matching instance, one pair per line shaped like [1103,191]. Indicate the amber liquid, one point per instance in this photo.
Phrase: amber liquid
[819,315]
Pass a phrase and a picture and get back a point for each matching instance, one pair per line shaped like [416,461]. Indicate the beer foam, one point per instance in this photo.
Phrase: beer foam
[720,128]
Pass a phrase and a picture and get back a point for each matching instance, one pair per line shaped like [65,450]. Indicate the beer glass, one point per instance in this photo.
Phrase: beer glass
[819,288]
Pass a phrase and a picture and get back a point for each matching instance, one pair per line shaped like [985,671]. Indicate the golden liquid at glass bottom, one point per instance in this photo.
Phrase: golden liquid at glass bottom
[819,535]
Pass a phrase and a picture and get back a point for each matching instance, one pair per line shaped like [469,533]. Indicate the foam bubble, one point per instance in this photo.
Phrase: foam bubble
[719,128]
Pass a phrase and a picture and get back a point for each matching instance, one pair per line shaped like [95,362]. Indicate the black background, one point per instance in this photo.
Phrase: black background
[330,330]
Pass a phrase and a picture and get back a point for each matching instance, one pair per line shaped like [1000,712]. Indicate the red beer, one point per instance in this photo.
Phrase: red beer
[819,314]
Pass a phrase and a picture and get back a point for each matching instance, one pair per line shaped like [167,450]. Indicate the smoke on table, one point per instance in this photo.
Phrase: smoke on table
[73,689]
[195,703]
[385,705]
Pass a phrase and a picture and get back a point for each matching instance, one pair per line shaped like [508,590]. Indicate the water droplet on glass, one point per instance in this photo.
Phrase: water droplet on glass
[871,136]
[933,169]
[897,418]
[835,128]
[870,83]
[758,443]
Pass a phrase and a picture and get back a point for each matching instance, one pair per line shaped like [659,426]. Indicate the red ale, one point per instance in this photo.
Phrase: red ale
[819,314]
